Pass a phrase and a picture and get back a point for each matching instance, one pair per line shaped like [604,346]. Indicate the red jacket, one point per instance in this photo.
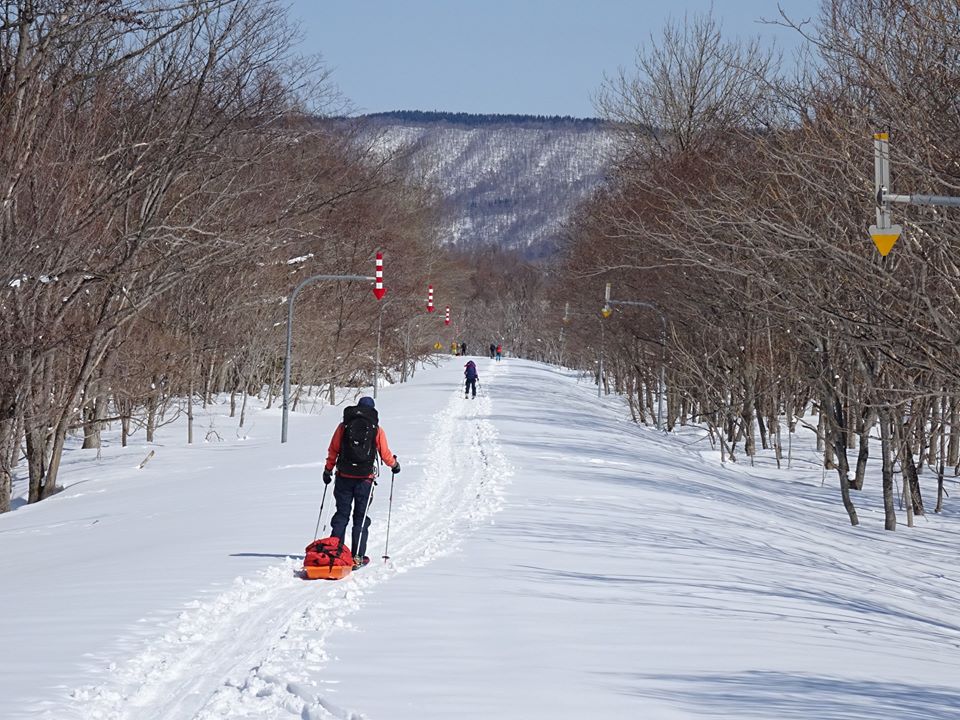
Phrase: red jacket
[333,452]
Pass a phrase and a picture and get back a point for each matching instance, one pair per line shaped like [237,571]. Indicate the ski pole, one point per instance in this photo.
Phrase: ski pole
[363,521]
[322,501]
[386,545]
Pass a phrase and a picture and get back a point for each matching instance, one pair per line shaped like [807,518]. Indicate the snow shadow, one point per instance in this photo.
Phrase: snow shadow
[780,695]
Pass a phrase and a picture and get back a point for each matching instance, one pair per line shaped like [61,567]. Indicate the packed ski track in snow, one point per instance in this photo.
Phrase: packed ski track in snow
[548,559]
[251,651]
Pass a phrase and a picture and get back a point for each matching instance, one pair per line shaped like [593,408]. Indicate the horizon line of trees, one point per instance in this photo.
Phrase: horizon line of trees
[485,119]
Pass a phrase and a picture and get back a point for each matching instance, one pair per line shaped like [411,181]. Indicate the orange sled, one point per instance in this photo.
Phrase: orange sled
[327,559]
[337,572]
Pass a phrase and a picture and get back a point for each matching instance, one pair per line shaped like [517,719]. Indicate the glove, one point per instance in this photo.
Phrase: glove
[396,465]
[327,476]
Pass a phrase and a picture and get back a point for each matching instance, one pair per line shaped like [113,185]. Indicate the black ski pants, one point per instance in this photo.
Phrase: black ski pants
[471,385]
[355,492]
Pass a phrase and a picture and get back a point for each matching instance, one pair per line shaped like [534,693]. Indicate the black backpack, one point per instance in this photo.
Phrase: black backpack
[358,446]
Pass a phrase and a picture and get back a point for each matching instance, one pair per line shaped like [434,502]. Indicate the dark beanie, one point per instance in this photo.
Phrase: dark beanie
[366,401]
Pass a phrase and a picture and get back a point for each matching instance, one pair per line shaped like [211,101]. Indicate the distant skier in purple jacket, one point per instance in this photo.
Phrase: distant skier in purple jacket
[470,373]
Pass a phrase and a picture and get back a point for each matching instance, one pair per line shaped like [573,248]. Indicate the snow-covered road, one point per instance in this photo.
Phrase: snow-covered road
[256,650]
[549,559]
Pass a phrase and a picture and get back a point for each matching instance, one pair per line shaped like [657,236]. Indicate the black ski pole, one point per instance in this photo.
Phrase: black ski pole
[386,545]
[364,520]
[322,501]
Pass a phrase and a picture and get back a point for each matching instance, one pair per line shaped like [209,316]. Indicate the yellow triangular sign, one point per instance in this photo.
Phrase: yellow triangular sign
[884,238]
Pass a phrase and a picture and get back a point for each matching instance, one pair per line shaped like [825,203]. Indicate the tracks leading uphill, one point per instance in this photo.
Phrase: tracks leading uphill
[258,650]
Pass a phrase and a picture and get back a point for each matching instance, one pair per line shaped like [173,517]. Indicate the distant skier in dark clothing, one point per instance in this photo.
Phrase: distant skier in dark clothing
[470,373]
[493,351]
[463,348]
[499,352]
[353,451]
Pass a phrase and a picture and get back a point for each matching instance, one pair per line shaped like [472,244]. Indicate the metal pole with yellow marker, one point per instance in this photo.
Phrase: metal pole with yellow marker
[883,233]
[605,312]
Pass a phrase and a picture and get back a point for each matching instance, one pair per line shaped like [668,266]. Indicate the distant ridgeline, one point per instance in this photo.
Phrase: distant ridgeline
[509,180]
[473,120]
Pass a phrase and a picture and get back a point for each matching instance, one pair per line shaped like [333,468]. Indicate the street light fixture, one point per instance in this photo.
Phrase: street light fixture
[287,356]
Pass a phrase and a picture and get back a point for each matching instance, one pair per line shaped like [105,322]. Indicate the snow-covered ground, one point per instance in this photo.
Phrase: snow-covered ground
[549,559]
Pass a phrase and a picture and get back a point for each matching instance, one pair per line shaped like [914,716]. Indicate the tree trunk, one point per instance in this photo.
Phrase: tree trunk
[152,406]
[93,413]
[35,462]
[631,399]
[941,456]
[863,455]
[953,450]
[912,496]
[936,430]
[746,411]
[243,409]
[889,511]
[190,413]
[839,437]
[822,434]
[773,425]
[49,486]
[8,438]
[761,424]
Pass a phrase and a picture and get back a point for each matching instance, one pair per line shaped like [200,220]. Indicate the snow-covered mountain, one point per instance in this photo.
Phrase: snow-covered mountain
[509,180]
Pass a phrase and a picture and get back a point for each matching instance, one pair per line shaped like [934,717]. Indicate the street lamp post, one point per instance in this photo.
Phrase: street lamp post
[600,368]
[287,357]
[566,319]
[607,311]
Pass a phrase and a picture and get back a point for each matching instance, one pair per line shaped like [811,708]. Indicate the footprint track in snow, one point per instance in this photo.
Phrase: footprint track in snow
[256,650]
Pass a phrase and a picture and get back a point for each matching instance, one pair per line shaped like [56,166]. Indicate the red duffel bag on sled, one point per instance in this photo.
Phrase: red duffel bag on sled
[327,558]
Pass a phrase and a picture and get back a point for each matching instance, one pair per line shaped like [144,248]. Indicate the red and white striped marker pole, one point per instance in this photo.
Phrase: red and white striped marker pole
[446,320]
[378,289]
[430,298]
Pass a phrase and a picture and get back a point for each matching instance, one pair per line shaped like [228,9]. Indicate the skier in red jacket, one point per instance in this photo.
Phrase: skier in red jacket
[353,451]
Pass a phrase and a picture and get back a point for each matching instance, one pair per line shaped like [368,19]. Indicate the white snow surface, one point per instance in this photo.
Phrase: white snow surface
[548,559]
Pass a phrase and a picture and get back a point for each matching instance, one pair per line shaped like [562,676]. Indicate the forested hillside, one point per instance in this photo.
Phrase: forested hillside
[505,180]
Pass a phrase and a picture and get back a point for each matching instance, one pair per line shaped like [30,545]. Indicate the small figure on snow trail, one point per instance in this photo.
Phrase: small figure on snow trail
[470,373]
[353,451]
[463,348]
[493,351]
[499,352]
[454,348]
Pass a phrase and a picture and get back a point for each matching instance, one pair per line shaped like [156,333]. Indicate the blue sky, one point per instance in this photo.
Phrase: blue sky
[543,57]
